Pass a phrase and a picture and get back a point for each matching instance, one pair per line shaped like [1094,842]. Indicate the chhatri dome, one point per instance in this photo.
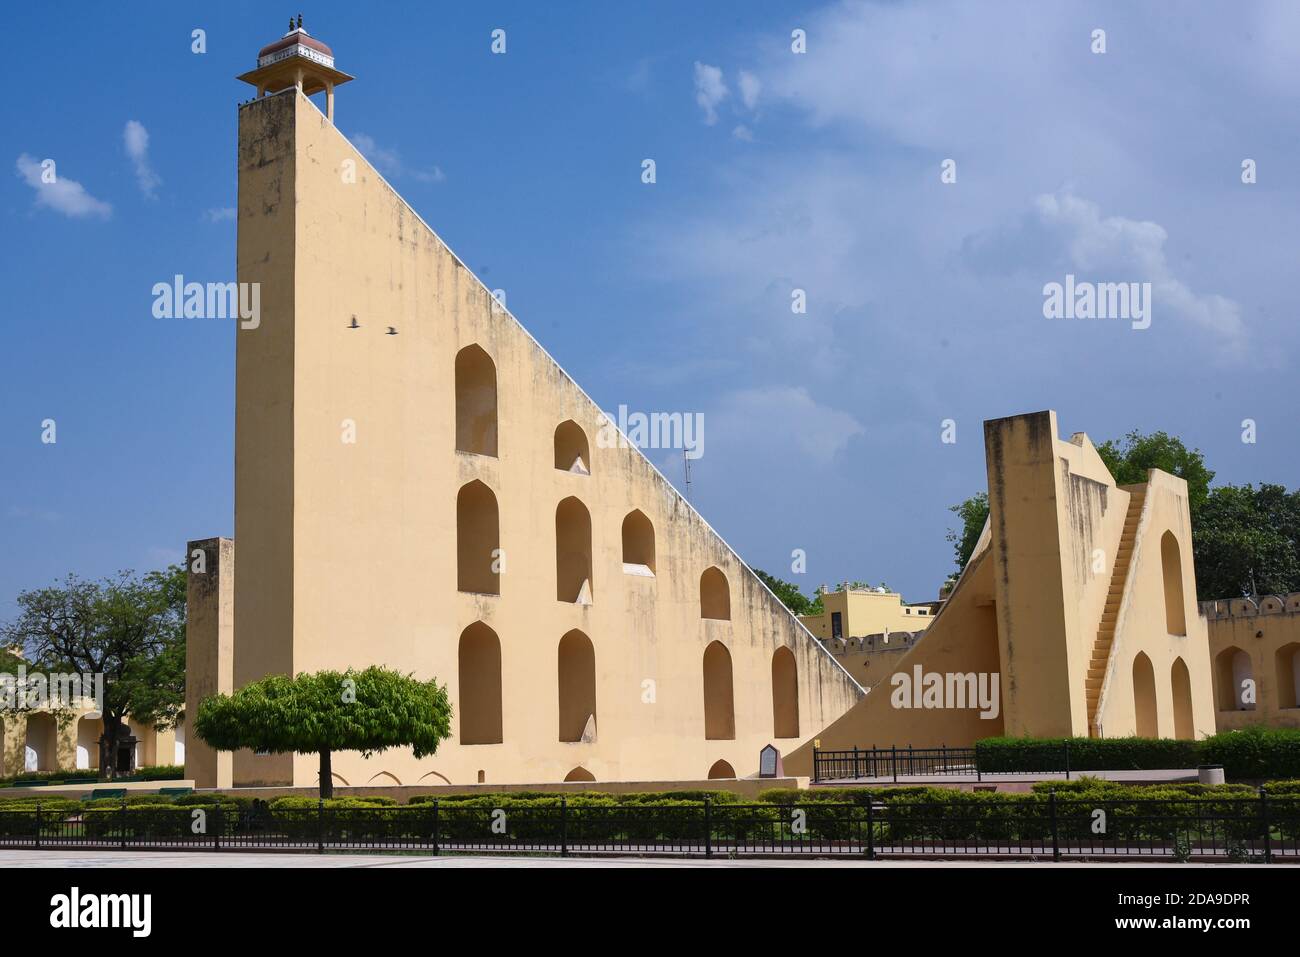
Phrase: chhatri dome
[297,59]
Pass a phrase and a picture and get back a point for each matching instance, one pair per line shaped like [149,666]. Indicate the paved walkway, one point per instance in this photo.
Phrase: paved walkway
[202,859]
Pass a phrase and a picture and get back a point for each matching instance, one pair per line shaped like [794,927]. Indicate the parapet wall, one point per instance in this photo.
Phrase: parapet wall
[1250,607]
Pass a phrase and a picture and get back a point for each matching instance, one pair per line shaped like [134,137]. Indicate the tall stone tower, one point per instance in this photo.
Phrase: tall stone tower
[418,484]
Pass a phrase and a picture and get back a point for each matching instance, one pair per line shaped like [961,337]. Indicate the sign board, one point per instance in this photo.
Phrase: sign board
[769,763]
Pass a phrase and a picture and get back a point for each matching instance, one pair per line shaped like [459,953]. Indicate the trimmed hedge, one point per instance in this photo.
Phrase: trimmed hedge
[160,772]
[994,755]
[1254,754]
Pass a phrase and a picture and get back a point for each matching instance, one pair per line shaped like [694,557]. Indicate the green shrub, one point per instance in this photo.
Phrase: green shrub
[143,822]
[160,772]
[1255,753]
[1008,755]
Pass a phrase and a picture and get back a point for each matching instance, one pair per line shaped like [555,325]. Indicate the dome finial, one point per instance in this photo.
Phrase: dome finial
[300,21]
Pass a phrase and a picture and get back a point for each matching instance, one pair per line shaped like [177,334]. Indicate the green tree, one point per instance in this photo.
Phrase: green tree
[1130,458]
[129,630]
[1246,541]
[368,711]
[973,513]
[790,595]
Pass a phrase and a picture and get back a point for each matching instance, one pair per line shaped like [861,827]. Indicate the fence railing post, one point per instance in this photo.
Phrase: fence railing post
[38,823]
[708,827]
[856,772]
[216,827]
[1067,759]
[320,825]
[1263,816]
[871,832]
[1056,842]
[816,767]
[435,827]
[564,827]
[122,826]
[893,760]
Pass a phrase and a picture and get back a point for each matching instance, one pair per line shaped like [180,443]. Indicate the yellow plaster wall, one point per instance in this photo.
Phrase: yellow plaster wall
[1261,628]
[348,551]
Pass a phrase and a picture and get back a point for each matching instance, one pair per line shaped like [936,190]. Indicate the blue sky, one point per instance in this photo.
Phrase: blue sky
[775,171]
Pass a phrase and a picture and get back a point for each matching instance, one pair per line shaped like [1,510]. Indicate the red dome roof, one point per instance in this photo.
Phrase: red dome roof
[289,39]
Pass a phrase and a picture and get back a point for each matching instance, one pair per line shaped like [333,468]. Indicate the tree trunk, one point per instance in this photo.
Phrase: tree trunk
[326,776]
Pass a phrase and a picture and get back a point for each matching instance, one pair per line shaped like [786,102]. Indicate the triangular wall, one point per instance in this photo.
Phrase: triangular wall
[348,543]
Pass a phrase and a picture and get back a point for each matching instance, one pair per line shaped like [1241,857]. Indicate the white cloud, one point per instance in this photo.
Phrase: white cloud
[389,161]
[136,140]
[710,90]
[743,132]
[60,194]
[220,214]
[782,421]
[1114,245]
[749,88]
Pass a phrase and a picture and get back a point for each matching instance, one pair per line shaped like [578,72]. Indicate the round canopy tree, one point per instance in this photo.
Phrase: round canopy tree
[367,711]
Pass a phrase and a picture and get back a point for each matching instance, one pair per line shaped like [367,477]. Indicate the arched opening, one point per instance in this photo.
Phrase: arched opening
[580,774]
[572,453]
[638,544]
[42,743]
[476,402]
[715,594]
[1234,678]
[477,540]
[719,704]
[89,731]
[434,774]
[1287,666]
[480,685]
[721,770]
[385,779]
[573,552]
[785,694]
[336,778]
[577,687]
[1144,697]
[1181,681]
[1172,565]
[146,740]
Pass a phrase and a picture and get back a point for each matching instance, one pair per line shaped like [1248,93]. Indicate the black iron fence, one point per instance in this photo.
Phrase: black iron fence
[895,762]
[1239,828]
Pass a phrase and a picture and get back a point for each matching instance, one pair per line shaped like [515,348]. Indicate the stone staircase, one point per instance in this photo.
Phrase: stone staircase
[1110,614]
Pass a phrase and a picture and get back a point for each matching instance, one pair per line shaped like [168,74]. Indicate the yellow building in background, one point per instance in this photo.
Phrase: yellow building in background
[1255,656]
[55,742]
[857,612]
[867,629]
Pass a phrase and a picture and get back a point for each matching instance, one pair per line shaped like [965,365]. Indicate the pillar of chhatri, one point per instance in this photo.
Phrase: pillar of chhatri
[300,60]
